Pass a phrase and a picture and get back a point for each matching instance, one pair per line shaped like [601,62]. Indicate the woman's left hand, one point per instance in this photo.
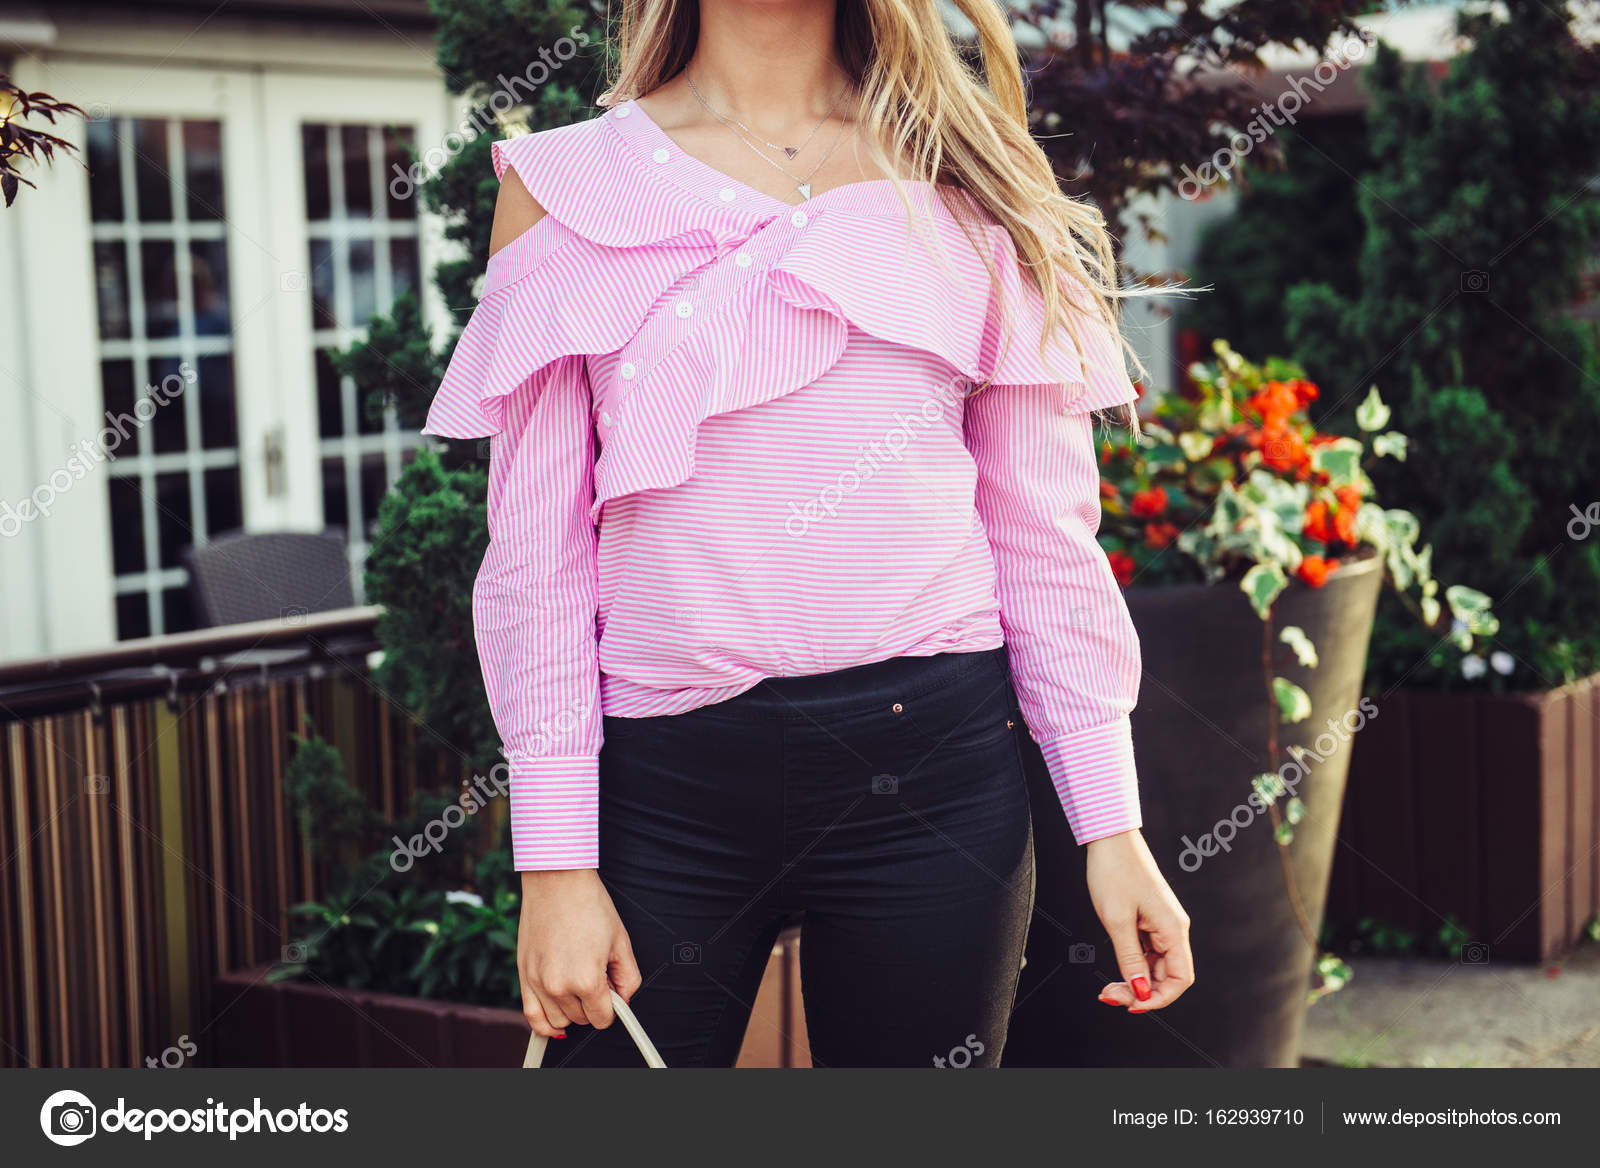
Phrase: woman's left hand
[1148,927]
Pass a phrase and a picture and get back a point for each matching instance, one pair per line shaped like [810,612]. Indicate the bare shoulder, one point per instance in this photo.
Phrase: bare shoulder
[515,211]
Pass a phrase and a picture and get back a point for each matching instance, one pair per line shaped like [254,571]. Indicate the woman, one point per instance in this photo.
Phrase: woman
[789,360]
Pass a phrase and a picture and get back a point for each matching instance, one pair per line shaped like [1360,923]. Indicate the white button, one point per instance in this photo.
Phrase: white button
[661,155]
[624,110]
[727,194]
[684,308]
[798,218]
[628,370]
[605,417]
[742,259]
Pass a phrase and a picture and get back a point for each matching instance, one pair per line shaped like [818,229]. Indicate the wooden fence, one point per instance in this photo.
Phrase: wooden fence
[146,844]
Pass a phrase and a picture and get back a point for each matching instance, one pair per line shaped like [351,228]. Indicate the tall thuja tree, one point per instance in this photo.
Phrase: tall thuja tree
[522,66]
[1293,223]
[1478,217]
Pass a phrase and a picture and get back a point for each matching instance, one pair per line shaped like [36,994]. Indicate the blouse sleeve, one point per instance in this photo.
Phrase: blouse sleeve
[518,377]
[533,614]
[1072,646]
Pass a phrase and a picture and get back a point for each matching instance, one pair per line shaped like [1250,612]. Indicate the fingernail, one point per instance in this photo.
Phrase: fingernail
[1136,1010]
[563,1034]
[1141,989]
[1108,1001]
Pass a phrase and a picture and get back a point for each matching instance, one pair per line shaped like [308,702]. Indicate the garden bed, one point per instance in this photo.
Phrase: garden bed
[1485,809]
[305,1024]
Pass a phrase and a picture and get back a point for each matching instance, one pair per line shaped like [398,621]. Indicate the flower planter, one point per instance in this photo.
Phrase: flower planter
[1200,733]
[1479,807]
[304,1024]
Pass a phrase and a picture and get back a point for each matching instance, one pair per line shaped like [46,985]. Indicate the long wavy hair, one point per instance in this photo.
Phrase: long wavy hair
[917,99]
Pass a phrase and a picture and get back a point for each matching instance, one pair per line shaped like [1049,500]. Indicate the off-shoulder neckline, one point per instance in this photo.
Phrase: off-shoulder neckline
[658,152]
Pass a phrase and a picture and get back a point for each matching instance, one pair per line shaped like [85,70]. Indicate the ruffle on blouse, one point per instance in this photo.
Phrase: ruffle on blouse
[617,236]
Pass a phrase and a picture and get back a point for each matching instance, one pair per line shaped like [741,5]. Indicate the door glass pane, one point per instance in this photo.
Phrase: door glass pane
[157,206]
[363,253]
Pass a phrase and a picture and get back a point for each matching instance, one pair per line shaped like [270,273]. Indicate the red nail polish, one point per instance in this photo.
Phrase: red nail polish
[1107,1000]
[1136,1010]
[1141,989]
[563,1034]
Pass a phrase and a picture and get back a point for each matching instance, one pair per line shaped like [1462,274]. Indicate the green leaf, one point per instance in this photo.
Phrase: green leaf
[1268,787]
[1305,652]
[1262,584]
[1390,445]
[1195,446]
[1340,461]
[1294,704]
[1294,810]
[1372,414]
[1283,834]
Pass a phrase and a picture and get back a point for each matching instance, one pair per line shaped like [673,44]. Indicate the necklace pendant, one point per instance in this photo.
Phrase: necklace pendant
[791,151]
[805,190]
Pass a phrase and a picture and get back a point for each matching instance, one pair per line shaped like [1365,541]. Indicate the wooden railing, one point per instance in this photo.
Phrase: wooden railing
[146,844]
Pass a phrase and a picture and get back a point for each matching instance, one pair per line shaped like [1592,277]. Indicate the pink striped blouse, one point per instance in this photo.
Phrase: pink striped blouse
[731,440]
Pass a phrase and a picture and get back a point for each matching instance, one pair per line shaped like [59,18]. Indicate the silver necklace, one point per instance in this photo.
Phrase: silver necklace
[789,151]
[803,185]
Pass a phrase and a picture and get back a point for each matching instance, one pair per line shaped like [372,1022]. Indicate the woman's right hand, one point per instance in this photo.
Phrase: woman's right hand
[571,951]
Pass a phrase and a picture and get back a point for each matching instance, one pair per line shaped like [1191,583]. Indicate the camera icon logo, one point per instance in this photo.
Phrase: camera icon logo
[68,1118]
[885,784]
[686,953]
[1081,954]
[1475,953]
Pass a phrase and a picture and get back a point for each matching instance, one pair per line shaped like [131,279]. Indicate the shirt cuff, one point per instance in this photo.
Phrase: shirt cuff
[1094,777]
[555,812]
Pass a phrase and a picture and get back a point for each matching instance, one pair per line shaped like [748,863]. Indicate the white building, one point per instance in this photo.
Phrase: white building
[235,220]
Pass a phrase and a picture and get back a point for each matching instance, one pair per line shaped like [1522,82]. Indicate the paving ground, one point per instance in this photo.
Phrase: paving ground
[1413,1013]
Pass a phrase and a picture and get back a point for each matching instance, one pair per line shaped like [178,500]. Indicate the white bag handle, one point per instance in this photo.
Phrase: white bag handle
[652,1058]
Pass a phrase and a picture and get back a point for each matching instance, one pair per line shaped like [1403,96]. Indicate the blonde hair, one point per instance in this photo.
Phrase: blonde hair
[916,99]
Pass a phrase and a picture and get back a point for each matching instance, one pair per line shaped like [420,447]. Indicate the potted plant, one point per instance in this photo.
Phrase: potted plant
[1474,797]
[1252,548]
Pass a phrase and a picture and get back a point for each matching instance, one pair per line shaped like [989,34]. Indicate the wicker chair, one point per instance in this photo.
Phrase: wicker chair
[253,576]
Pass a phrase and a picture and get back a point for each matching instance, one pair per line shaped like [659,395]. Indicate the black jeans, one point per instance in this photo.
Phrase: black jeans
[885,802]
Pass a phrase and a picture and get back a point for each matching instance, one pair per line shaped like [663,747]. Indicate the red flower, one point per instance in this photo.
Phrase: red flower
[1275,402]
[1108,490]
[1122,566]
[1283,449]
[1344,520]
[1148,504]
[1316,524]
[1314,570]
[1159,535]
[1304,391]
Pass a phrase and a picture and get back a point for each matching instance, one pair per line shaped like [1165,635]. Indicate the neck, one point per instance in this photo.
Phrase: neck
[768,63]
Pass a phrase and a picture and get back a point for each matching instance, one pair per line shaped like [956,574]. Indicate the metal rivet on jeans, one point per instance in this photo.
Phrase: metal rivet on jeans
[898,708]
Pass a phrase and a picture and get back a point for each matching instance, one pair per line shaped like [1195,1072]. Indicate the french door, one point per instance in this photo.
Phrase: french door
[237,227]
